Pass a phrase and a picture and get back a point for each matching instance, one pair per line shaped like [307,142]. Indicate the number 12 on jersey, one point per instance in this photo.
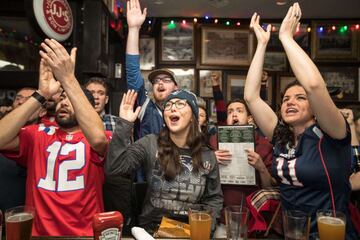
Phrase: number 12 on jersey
[63,184]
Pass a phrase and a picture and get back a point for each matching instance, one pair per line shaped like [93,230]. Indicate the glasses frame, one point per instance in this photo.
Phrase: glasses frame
[163,79]
[169,107]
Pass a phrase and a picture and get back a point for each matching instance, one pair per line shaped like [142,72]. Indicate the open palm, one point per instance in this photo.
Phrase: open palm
[47,83]
[290,22]
[126,110]
[134,16]
[262,36]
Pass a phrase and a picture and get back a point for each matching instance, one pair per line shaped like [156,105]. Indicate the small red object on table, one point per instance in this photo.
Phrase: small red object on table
[108,225]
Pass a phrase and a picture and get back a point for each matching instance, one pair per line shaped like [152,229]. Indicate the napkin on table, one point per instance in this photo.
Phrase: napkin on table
[140,234]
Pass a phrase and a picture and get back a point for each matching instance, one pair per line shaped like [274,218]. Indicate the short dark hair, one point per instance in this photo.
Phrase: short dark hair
[88,95]
[238,100]
[98,80]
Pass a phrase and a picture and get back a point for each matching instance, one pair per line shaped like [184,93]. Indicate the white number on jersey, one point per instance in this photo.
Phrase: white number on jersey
[63,183]
[292,172]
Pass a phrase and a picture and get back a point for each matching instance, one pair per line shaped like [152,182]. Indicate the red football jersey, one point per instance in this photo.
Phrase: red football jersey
[49,120]
[64,180]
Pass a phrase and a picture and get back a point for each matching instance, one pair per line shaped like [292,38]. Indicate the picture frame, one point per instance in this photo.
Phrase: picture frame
[235,86]
[275,61]
[177,43]
[205,83]
[224,46]
[301,36]
[328,44]
[346,77]
[147,53]
[185,78]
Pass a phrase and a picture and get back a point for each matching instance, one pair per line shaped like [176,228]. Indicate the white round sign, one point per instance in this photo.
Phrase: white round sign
[54,18]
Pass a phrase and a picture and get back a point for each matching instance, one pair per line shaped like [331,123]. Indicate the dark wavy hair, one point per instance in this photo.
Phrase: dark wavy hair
[168,152]
[283,134]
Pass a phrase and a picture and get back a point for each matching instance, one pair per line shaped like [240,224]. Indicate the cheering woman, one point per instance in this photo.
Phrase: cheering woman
[311,138]
[181,171]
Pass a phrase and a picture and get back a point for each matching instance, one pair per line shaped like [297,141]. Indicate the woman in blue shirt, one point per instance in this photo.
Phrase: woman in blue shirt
[311,138]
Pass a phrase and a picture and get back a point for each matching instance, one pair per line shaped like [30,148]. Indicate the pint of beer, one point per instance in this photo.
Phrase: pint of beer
[200,224]
[331,227]
[19,221]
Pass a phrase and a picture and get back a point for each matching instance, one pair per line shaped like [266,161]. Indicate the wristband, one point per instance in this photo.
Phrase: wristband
[39,97]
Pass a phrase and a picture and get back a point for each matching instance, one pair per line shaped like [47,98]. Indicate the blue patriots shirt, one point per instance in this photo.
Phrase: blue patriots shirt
[302,178]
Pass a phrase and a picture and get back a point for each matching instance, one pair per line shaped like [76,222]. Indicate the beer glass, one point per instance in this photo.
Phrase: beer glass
[296,225]
[236,222]
[331,226]
[19,222]
[200,224]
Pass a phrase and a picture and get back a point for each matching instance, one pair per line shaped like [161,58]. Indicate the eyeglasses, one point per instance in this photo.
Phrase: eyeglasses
[163,79]
[179,104]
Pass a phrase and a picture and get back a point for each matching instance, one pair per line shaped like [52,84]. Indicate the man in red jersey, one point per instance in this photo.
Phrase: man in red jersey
[65,163]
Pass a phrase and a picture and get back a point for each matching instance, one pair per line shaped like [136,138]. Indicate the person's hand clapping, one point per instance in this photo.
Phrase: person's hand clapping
[290,22]
[262,36]
[48,86]
[57,58]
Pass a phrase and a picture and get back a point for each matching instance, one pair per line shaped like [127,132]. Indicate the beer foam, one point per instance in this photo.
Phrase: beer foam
[200,216]
[19,217]
[331,220]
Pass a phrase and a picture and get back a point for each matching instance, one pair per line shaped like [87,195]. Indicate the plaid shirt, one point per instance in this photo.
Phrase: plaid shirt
[109,121]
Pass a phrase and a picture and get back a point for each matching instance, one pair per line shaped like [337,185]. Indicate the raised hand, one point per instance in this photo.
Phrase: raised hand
[126,110]
[290,22]
[261,35]
[134,16]
[48,86]
[215,78]
[57,58]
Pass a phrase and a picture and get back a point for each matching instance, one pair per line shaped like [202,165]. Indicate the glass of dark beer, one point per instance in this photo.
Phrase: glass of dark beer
[19,222]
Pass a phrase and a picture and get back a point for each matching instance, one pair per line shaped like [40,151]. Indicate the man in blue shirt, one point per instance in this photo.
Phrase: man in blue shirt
[163,80]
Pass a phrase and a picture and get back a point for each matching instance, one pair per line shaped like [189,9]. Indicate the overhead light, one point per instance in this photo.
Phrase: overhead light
[281,2]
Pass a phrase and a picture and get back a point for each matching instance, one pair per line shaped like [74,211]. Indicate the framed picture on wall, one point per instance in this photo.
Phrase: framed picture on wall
[226,46]
[177,43]
[345,77]
[275,61]
[185,78]
[235,86]
[205,82]
[147,53]
[331,42]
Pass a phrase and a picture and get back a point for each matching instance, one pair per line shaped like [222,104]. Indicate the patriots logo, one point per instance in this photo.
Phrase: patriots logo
[48,130]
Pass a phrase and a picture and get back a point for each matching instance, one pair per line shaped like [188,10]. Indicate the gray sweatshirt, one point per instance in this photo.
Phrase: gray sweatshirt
[165,198]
